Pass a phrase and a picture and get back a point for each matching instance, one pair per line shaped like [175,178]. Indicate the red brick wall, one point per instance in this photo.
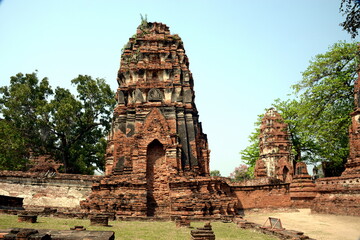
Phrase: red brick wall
[263,196]
[338,195]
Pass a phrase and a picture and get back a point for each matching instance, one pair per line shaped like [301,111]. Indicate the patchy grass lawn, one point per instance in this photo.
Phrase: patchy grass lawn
[136,230]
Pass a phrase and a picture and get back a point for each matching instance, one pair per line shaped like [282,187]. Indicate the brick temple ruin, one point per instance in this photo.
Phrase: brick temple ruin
[276,159]
[157,159]
[341,195]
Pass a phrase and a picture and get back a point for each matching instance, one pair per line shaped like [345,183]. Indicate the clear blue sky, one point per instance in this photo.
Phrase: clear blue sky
[243,54]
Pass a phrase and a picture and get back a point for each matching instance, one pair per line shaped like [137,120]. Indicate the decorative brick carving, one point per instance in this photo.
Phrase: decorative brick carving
[275,148]
[157,158]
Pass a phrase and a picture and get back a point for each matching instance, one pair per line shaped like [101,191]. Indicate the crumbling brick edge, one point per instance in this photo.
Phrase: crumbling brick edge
[280,233]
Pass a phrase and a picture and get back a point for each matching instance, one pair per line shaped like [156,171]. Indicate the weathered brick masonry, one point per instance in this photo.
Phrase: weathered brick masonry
[262,193]
[60,191]
[341,195]
[275,160]
[157,160]
[302,187]
[338,195]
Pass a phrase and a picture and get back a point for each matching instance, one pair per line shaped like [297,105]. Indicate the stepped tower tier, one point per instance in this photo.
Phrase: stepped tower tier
[157,157]
[156,102]
[275,148]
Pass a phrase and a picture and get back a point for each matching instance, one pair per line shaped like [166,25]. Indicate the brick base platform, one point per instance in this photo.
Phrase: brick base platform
[46,234]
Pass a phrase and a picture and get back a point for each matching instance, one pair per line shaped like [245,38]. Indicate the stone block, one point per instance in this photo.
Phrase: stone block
[204,233]
[27,218]
[99,220]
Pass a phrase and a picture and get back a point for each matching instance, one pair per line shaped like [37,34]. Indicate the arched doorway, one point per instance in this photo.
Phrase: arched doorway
[155,157]
[285,173]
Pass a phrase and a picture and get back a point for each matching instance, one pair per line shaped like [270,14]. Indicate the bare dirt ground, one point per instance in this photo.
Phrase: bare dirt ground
[318,226]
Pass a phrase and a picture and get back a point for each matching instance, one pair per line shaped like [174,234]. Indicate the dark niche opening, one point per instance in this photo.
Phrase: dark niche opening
[155,153]
[285,173]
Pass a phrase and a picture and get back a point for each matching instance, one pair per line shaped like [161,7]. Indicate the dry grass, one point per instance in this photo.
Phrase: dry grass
[318,226]
[137,230]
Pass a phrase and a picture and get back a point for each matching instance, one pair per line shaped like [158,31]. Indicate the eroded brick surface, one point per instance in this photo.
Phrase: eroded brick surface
[263,196]
[48,234]
[204,233]
[157,159]
[341,195]
[38,190]
[302,188]
[353,162]
[338,195]
[275,148]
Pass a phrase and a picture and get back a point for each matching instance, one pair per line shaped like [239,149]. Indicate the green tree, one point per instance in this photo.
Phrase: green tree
[215,173]
[325,101]
[303,147]
[69,128]
[13,149]
[318,117]
[351,10]
[251,153]
[20,130]
[77,125]
[241,173]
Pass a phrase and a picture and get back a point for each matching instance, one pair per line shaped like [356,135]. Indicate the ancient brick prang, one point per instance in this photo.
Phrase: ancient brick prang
[157,158]
[275,148]
[156,105]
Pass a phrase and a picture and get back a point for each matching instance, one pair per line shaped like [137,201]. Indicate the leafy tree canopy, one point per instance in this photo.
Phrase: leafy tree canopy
[215,173]
[69,128]
[241,173]
[351,10]
[318,117]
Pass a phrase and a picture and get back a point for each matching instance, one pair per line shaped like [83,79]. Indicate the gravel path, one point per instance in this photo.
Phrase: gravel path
[318,226]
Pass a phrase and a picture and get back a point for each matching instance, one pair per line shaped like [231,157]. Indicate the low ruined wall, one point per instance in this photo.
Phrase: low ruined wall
[7,202]
[39,190]
[338,195]
[263,196]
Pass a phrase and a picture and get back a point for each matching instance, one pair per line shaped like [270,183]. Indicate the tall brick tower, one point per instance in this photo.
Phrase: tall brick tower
[275,148]
[156,108]
[352,167]
[157,158]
